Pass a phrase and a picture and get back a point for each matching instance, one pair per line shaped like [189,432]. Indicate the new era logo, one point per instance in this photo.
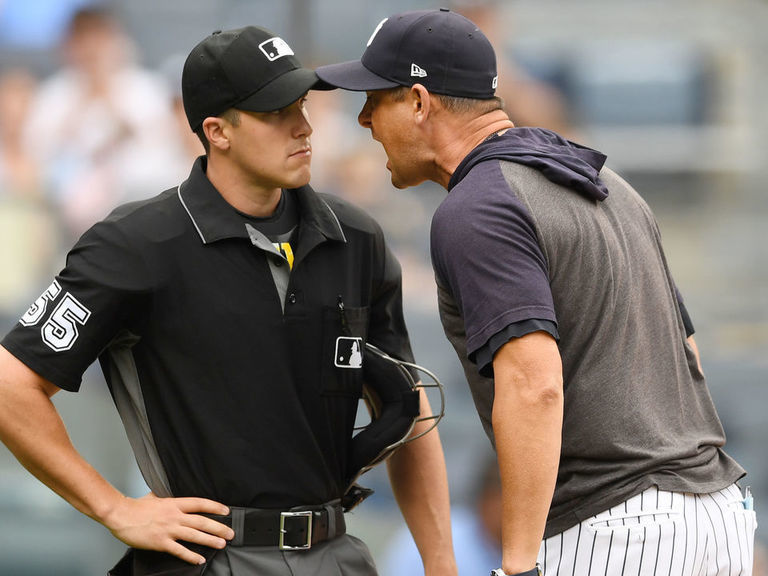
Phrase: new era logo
[349,353]
[418,71]
[275,48]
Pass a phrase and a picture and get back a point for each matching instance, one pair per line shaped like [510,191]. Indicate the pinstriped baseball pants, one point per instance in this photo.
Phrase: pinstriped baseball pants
[661,534]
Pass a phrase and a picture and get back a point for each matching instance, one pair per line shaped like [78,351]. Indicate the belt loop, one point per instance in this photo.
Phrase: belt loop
[331,512]
[238,525]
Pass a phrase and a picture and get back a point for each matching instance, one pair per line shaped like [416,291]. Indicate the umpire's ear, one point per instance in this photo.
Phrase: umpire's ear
[215,129]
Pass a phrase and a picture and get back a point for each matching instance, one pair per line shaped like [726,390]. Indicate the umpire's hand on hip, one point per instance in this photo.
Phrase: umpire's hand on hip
[154,523]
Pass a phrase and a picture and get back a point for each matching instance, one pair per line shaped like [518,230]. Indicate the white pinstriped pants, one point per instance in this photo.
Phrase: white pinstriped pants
[658,533]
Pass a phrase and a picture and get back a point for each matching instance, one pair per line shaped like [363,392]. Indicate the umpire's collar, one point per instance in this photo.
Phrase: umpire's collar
[215,219]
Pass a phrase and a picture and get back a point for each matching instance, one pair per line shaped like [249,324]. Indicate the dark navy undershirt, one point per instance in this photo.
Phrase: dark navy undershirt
[483,358]
[278,227]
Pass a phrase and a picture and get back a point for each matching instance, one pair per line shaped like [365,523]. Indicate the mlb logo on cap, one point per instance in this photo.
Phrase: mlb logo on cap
[349,352]
[275,48]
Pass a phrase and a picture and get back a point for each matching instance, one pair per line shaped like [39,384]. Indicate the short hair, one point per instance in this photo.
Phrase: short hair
[232,116]
[456,104]
[475,106]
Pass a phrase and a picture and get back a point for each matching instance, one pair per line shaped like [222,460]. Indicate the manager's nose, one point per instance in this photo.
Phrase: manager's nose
[364,118]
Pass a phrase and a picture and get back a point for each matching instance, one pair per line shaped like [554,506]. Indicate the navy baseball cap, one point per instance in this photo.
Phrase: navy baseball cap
[248,68]
[440,49]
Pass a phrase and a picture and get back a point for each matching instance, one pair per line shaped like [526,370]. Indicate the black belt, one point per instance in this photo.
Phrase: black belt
[295,529]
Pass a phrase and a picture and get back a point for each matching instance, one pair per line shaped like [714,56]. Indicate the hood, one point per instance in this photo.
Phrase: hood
[559,160]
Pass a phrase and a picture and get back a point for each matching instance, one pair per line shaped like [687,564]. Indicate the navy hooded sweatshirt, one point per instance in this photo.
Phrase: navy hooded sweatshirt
[500,218]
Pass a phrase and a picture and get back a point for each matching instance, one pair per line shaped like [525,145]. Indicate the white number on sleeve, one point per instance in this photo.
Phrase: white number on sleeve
[60,330]
[37,310]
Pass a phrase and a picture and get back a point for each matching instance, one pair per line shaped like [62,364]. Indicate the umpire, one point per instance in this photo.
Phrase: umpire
[226,313]
[554,290]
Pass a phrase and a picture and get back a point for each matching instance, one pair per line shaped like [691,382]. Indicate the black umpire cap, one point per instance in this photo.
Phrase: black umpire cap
[248,68]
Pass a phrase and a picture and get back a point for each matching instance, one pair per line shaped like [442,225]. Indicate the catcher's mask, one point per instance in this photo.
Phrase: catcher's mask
[392,396]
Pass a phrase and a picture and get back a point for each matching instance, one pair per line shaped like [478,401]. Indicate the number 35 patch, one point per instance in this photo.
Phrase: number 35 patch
[60,331]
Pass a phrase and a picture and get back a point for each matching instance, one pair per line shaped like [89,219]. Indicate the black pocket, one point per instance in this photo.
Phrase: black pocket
[344,335]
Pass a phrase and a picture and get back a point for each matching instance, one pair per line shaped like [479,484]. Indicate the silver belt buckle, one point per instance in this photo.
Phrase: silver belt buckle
[281,541]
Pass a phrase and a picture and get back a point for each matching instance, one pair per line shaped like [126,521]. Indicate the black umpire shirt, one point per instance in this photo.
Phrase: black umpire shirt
[225,392]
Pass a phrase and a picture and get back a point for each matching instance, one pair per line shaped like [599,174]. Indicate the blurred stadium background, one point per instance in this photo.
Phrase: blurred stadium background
[673,91]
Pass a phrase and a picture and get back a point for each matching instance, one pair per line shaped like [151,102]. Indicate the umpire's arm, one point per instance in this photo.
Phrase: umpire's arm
[417,471]
[32,429]
[420,485]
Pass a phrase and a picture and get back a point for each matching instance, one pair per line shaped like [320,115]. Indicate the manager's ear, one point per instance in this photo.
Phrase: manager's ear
[215,129]
[421,102]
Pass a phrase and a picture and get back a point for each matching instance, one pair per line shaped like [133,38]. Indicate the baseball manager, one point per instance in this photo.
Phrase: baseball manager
[555,292]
